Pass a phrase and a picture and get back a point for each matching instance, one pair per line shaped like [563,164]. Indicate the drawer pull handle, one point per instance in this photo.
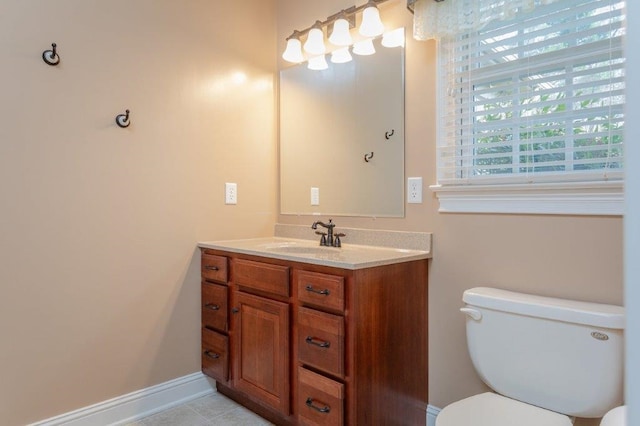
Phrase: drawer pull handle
[310,288]
[212,307]
[326,409]
[211,268]
[211,355]
[320,343]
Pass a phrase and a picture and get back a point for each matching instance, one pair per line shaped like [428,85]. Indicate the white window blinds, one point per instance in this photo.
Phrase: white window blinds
[536,99]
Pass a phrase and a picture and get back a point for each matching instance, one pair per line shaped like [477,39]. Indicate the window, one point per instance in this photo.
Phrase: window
[532,113]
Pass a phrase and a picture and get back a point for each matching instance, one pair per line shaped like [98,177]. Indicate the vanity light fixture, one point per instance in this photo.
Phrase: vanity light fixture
[364,47]
[340,36]
[315,42]
[342,21]
[341,56]
[371,25]
[293,52]
[393,38]
[318,63]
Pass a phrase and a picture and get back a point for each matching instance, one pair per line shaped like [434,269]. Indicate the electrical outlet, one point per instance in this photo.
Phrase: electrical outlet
[315,196]
[414,190]
[231,193]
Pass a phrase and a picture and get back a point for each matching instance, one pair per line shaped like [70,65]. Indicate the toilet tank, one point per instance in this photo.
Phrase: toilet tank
[562,355]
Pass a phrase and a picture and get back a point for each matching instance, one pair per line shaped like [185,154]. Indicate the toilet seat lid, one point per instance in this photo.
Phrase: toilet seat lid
[491,409]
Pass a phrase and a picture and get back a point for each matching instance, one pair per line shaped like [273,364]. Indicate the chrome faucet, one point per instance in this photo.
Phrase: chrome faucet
[328,239]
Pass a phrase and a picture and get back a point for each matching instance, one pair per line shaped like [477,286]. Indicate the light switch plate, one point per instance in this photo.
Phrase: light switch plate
[315,196]
[414,190]
[231,193]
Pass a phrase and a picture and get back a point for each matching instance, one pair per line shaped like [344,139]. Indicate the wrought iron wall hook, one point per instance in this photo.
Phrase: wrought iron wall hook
[387,135]
[368,157]
[122,120]
[51,57]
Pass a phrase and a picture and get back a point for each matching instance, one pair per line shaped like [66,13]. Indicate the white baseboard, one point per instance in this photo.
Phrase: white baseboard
[136,405]
[139,404]
[432,413]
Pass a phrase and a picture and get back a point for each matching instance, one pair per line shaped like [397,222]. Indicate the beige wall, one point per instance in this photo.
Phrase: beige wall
[98,263]
[99,270]
[572,257]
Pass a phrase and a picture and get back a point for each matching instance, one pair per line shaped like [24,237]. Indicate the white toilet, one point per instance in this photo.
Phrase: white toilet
[549,360]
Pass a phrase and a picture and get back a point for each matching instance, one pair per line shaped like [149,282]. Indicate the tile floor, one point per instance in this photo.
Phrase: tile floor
[211,410]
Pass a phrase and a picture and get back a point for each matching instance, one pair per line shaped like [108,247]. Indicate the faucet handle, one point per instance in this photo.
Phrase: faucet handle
[323,239]
[336,241]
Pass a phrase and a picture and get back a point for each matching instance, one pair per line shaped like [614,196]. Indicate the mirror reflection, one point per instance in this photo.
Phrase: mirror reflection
[342,137]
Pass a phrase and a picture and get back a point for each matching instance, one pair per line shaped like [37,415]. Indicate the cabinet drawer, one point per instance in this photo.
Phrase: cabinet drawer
[321,290]
[214,306]
[321,340]
[320,400]
[214,268]
[215,350]
[260,276]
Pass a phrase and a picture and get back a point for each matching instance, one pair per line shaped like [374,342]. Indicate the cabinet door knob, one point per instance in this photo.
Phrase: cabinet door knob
[212,307]
[310,288]
[310,404]
[317,342]
[235,310]
[211,268]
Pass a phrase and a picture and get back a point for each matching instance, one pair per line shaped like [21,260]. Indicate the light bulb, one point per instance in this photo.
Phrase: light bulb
[293,52]
[341,56]
[340,36]
[364,47]
[318,63]
[371,25]
[315,41]
[393,38]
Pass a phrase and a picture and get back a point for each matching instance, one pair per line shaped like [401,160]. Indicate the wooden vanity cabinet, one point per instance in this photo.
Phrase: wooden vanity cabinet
[318,345]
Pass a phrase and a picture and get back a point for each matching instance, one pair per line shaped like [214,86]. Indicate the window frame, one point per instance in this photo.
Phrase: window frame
[564,195]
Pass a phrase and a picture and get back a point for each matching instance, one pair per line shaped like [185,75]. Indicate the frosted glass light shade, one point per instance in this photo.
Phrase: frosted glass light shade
[364,48]
[341,35]
[318,63]
[293,52]
[371,25]
[341,56]
[315,42]
[393,38]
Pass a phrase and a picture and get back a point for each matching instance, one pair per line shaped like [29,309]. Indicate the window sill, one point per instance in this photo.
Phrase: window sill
[571,198]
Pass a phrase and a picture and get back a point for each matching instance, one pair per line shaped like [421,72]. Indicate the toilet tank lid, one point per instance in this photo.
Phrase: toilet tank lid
[593,314]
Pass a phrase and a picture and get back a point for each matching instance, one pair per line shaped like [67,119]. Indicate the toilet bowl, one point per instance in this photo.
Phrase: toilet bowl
[548,360]
[491,409]
[615,417]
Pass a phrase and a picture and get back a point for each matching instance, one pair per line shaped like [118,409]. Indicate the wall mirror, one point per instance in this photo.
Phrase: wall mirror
[342,132]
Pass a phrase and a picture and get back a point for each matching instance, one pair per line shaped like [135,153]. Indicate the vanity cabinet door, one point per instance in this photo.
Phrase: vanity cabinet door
[261,358]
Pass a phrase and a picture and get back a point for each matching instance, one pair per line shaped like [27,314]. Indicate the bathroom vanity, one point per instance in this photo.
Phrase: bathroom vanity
[303,334]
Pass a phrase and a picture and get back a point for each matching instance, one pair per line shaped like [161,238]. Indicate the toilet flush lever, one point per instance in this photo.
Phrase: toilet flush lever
[472,313]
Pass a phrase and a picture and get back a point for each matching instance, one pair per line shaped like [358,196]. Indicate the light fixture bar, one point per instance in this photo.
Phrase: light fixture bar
[349,14]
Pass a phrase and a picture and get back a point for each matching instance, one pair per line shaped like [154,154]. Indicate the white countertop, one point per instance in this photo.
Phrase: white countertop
[349,256]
